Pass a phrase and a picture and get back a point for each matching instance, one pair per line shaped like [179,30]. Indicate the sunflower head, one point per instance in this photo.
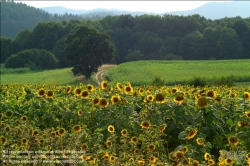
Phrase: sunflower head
[95,101]
[61,131]
[115,99]
[103,103]
[199,141]
[228,161]
[134,140]
[111,129]
[207,156]
[24,141]
[77,128]
[119,86]
[104,84]
[192,134]
[152,159]
[111,159]
[90,87]
[179,99]
[84,147]
[77,91]
[84,94]
[159,98]
[41,92]
[233,141]
[246,95]
[202,102]
[151,147]
[124,132]
[108,143]
[128,89]
[145,125]
[247,114]
[50,94]
[211,162]
[211,94]
[179,155]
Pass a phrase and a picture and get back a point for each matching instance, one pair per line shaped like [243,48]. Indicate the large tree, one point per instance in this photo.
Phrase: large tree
[86,50]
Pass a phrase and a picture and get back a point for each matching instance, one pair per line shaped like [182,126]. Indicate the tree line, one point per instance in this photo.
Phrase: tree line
[145,37]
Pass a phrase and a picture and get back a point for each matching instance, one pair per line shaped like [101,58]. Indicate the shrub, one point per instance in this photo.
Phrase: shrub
[158,81]
[198,81]
[32,58]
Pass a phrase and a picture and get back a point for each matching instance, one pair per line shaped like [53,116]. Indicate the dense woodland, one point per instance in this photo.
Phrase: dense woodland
[145,37]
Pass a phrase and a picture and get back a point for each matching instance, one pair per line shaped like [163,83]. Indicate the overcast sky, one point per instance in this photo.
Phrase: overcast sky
[145,6]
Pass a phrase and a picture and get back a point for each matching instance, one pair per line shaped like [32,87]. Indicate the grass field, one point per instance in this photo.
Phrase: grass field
[143,72]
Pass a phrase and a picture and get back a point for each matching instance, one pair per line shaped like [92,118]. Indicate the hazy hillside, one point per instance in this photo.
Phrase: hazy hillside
[210,10]
[215,10]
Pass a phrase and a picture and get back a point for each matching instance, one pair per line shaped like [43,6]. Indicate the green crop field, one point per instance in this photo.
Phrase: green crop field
[143,72]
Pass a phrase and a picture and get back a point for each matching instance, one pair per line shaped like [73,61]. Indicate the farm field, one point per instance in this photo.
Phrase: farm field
[125,125]
[174,72]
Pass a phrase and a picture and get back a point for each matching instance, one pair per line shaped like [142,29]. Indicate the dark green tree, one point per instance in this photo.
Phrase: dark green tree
[86,50]
[5,48]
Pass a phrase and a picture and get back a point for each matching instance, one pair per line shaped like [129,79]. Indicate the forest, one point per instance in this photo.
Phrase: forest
[145,37]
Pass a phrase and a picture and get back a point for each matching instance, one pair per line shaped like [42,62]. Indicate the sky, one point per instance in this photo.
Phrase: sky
[144,6]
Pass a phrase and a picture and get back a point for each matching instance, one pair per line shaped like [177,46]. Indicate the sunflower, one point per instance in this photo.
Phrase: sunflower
[68,89]
[77,91]
[141,91]
[104,84]
[34,132]
[3,140]
[90,87]
[77,128]
[115,99]
[128,90]
[152,159]
[131,159]
[179,99]
[41,92]
[192,134]
[24,118]
[162,128]
[248,156]
[179,155]
[145,125]
[246,95]
[199,141]
[124,132]
[149,99]
[233,141]
[79,113]
[119,86]
[7,129]
[111,159]
[50,94]
[84,94]
[211,162]
[243,124]
[141,162]
[24,141]
[134,140]
[108,143]
[1,115]
[103,102]
[8,113]
[207,156]
[136,151]
[105,155]
[95,101]
[218,99]
[211,94]
[61,131]
[83,158]
[174,90]
[151,147]
[228,161]
[195,163]
[111,129]
[247,114]
[159,98]
[185,149]
[202,102]
[84,147]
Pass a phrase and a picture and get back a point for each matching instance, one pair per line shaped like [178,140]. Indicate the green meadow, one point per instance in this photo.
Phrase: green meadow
[143,72]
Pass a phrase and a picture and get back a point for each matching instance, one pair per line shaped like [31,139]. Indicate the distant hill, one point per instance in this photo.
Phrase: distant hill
[210,10]
[216,10]
[89,13]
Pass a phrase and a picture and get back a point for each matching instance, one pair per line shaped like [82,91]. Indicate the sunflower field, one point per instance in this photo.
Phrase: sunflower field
[124,125]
